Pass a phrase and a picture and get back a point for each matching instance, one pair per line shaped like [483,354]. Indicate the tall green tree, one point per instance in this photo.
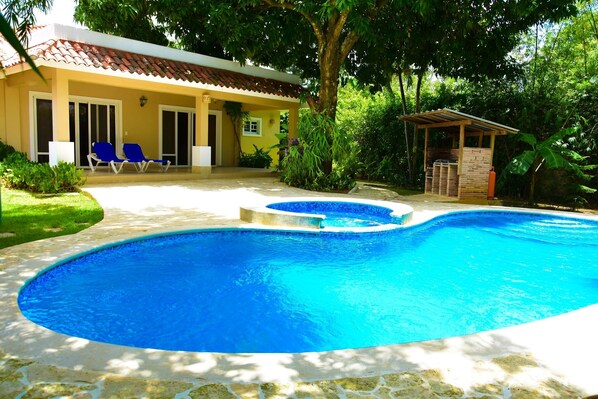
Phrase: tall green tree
[318,38]
[459,39]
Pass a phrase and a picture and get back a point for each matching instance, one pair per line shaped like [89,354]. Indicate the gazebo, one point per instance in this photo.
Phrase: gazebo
[461,167]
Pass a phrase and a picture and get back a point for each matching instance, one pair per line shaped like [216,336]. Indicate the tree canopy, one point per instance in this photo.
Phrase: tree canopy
[318,39]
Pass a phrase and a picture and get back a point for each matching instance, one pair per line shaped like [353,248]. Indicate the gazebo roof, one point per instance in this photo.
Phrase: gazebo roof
[449,119]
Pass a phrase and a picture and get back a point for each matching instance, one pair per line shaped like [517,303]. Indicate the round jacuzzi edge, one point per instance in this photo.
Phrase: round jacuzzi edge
[262,214]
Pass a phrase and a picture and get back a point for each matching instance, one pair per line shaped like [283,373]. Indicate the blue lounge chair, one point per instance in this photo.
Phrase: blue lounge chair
[134,154]
[104,153]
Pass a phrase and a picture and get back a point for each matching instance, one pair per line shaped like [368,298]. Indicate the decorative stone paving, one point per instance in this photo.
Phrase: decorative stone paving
[30,380]
[216,203]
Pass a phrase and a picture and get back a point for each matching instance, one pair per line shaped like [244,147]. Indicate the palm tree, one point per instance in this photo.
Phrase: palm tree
[12,39]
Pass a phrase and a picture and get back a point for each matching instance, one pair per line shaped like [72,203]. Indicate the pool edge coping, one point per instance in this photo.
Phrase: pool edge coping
[261,214]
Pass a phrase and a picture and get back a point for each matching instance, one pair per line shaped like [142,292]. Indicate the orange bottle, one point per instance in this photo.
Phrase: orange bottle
[491,183]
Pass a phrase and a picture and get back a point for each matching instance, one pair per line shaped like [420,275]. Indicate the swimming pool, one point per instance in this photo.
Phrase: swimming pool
[263,291]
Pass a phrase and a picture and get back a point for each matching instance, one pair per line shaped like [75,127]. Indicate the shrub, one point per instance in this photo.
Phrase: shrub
[19,173]
[5,150]
[14,170]
[316,160]
[68,176]
[259,159]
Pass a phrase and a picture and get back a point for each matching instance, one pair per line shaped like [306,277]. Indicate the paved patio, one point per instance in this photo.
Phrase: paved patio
[552,358]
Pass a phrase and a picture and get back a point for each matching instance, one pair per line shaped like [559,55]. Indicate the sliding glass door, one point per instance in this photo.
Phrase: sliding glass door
[177,137]
[178,134]
[43,129]
[90,120]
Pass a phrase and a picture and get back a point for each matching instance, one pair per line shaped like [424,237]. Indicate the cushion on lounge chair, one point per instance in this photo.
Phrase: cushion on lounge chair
[134,153]
[104,153]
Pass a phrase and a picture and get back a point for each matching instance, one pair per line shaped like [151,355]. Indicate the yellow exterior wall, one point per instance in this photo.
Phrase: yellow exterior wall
[229,156]
[139,124]
[12,121]
[270,127]
[17,91]
[2,110]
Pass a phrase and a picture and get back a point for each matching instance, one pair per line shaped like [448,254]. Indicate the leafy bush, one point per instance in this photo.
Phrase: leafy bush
[315,161]
[14,170]
[259,159]
[19,173]
[5,150]
[372,123]
[68,176]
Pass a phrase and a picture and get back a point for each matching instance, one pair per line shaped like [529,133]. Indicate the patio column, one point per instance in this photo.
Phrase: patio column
[201,154]
[60,148]
[293,122]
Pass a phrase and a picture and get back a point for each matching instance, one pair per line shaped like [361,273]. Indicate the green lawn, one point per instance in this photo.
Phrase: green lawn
[29,217]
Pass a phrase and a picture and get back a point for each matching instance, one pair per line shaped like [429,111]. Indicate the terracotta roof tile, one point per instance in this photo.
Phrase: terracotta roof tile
[89,55]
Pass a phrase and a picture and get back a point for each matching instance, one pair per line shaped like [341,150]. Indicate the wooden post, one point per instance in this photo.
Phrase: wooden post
[461,145]
[481,140]
[426,150]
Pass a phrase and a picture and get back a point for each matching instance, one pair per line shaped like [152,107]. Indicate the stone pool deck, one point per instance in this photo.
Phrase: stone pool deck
[552,358]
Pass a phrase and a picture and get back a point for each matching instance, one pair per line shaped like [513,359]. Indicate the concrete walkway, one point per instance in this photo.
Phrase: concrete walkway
[553,358]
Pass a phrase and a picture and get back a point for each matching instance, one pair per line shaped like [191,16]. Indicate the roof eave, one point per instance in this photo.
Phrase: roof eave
[156,79]
[451,119]
[64,32]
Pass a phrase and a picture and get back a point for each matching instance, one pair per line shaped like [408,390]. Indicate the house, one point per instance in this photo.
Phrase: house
[106,88]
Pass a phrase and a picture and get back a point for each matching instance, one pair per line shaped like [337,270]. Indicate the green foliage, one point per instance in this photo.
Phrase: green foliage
[281,147]
[321,40]
[259,159]
[553,153]
[16,19]
[20,173]
[371,121]
[237,116]
[312,161]
[127,18]
[5,150]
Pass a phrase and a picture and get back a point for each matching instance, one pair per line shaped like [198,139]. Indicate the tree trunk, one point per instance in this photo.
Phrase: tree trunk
[407,147]
[330,63]
[328,93]
[532,184]
[532,188]
[418,88]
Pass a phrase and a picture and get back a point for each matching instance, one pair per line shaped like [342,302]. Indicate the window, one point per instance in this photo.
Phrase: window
[252,127]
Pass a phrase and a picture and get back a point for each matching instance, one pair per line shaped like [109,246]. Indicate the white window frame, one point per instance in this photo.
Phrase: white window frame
[258,124]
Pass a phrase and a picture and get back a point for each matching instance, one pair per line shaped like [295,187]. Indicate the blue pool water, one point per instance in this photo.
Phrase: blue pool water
[265,291]
[339,213]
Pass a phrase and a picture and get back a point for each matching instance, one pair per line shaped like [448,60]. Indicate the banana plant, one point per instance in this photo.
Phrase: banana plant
[552,153]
